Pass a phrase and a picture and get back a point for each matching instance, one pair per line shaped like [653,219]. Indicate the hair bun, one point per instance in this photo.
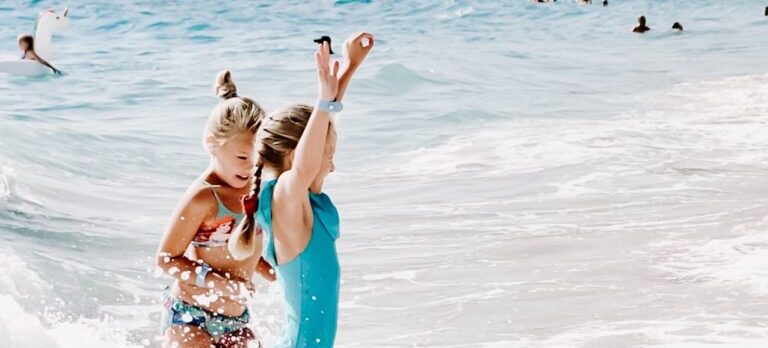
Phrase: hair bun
[224,87]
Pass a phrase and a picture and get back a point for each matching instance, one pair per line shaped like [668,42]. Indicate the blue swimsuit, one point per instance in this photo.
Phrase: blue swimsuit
[311,280]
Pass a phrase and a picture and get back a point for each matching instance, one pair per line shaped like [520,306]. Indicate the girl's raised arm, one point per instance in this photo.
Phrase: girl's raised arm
[355,50]
[308,155]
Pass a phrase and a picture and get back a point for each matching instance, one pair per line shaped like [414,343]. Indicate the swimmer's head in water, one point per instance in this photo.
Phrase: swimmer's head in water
[324,38]
[641,20]
[231,131]
[677,26]
[26,42]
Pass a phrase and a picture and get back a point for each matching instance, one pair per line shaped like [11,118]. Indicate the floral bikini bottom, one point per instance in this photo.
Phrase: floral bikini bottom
[178,312]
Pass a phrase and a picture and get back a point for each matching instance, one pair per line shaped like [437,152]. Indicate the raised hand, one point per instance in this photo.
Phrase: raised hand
[357,47]
[328,83]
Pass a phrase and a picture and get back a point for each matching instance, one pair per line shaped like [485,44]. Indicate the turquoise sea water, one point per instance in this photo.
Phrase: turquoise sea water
[510,174]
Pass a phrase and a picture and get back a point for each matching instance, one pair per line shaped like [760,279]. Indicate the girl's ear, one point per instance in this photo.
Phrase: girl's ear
[211,144]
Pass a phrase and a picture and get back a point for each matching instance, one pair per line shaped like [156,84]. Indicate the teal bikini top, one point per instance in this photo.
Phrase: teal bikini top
[217,234]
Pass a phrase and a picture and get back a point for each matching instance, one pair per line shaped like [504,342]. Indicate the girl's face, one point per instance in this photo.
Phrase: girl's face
[23,45]
[327,166]
[233,160]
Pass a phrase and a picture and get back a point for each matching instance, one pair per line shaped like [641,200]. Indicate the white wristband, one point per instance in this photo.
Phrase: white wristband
[200,279]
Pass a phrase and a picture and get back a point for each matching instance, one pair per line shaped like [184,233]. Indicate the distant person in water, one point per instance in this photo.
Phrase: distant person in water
[27,45]
[605,3]
[677,26]
[322,39]
[641,27]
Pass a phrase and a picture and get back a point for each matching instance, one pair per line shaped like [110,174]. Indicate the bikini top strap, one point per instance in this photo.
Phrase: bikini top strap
[222,209]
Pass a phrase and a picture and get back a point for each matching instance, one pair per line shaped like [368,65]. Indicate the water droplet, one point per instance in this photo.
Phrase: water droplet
[186,317]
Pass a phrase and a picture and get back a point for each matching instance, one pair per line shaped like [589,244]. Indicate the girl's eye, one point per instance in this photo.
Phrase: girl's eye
[242,158]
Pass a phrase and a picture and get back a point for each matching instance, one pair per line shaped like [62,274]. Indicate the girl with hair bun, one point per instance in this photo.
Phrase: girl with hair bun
[207,304]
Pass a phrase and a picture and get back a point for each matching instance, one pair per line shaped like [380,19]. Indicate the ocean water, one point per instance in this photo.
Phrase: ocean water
[509,174]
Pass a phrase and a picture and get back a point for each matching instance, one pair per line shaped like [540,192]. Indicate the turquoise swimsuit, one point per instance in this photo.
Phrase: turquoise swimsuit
[311,280]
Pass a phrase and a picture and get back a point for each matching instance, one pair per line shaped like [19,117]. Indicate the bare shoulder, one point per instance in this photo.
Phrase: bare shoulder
[290,189]
[198,199]
[288,204]
[291,222]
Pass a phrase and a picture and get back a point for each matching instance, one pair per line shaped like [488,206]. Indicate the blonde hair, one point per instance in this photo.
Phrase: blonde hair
[279,135]
[234,114]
